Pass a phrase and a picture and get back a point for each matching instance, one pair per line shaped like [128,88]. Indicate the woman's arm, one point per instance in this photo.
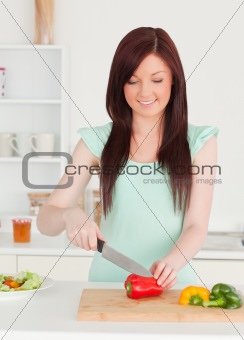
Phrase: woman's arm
[196,218]
[61,212]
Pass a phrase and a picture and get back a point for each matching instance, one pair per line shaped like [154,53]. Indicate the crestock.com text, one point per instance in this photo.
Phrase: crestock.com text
[145,169]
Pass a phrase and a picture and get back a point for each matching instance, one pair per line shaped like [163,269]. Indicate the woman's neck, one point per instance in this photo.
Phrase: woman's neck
[146,139]
[143,126]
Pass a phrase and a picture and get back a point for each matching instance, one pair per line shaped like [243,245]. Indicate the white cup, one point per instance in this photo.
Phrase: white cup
[21,144]
[6,149]
[42,142]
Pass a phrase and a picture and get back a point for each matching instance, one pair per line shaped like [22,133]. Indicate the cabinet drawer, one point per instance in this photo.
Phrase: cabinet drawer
[61,269]
[214,271]
[8,264]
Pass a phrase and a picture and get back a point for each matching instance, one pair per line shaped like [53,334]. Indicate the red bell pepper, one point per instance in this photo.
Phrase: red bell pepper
[140,286]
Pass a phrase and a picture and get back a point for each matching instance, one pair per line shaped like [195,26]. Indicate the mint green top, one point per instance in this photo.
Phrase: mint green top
[142,223]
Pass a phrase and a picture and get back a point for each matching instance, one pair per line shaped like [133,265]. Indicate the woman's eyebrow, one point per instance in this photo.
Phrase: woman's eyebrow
[153,74]
[158,72]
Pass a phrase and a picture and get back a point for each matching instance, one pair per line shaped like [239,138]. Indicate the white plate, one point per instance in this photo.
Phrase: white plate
[48,283]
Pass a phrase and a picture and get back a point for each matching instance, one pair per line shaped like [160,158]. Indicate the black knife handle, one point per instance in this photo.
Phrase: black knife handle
[100,244]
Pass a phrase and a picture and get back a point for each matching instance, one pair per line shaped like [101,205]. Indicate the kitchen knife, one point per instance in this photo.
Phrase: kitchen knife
[121,260]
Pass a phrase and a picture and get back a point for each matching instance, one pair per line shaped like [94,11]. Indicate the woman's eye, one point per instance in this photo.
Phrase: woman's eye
[158,81]
[130,82]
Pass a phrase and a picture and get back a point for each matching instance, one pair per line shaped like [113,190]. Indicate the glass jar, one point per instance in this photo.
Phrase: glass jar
[21,229]
[37,200]
[97,207]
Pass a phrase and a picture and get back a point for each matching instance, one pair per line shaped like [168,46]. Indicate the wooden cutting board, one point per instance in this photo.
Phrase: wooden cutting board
[114,305]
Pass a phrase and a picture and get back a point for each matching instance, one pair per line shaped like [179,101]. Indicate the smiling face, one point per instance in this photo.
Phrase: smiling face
[148,90]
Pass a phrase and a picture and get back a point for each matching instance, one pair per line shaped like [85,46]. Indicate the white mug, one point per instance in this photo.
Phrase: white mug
[23,144]
[6,149]
[42,142]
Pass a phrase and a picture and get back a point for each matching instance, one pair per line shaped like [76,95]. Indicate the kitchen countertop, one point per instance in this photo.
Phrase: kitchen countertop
[213,247]
[52,314]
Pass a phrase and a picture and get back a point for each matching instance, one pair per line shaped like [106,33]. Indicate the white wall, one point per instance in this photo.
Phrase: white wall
[93,28]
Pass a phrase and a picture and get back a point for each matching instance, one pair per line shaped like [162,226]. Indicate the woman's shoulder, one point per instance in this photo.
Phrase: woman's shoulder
[101,130]
[198,135]
[96,137]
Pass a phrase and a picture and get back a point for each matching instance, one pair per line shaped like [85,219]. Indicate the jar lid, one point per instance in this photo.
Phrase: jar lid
[22,220]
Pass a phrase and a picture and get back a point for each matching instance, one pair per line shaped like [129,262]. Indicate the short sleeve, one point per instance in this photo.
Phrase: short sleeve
[96,137]
[198,135]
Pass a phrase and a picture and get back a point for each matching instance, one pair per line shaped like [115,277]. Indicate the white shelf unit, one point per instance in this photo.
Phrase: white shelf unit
[30,101]
[32,160]
[36,101]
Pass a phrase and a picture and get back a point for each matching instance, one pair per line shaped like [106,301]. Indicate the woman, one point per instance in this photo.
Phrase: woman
[155,208]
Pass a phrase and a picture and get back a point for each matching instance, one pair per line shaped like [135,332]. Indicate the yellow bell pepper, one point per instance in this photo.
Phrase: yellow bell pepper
[193,295]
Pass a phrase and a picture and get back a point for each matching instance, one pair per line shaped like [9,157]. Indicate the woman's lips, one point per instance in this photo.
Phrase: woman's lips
[147,103]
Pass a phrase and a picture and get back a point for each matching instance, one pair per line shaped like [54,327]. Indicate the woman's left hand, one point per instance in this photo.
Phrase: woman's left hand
[165,275]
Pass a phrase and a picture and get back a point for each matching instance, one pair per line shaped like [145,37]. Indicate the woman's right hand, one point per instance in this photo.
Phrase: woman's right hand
[81,231]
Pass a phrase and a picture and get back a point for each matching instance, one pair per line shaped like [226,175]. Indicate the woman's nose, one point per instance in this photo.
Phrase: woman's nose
[145,90]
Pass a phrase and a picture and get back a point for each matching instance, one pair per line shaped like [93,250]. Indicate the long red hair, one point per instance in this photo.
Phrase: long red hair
[174,152]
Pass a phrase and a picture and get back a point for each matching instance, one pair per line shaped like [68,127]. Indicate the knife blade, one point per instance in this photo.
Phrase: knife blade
[121,260]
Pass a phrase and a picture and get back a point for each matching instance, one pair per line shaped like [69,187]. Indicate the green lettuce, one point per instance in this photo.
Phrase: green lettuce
[22,276]
[2,278]
[4,288]
[32,280]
